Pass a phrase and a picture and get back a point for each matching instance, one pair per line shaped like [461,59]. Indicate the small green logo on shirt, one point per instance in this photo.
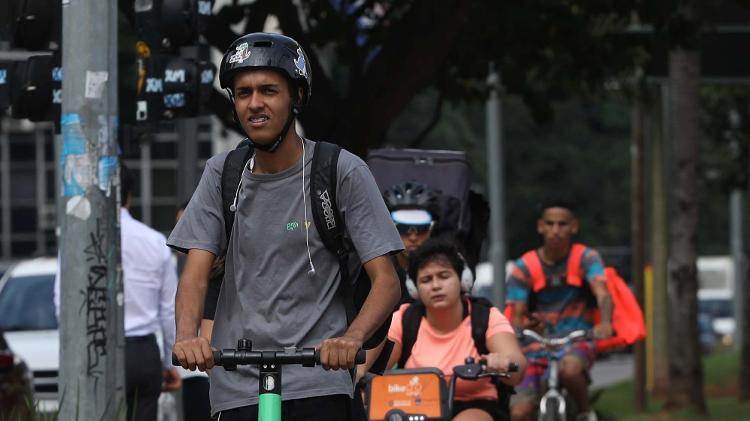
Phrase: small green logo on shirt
[292,225]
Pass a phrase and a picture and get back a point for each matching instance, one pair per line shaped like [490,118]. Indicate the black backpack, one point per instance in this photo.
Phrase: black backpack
[462,214]
[480,318]
[354,287]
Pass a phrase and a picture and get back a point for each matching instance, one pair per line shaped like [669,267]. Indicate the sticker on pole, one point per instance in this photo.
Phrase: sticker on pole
[77,172]
[95,84]
[107,169]
[79,207]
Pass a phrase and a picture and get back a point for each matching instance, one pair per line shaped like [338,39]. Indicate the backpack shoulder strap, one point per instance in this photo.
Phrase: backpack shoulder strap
[230,179]
[574,274]
[480,320]
[410,322]
[534,265]
[323,181]
[327,217]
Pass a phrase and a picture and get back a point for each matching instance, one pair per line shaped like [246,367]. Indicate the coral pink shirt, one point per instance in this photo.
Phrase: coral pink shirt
[447,350]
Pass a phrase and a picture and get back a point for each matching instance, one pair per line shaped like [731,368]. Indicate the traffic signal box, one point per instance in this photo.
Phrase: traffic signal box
[169,85]
[32,87]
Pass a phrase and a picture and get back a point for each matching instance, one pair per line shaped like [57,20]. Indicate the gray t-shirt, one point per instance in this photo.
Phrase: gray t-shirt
[268,295]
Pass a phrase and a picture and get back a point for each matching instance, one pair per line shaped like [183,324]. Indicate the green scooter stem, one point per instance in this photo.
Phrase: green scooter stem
[269,407]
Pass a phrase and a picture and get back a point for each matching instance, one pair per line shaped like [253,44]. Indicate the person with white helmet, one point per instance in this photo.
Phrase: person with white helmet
[414,210]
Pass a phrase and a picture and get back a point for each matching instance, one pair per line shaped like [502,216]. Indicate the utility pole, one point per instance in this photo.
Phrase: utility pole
[495,184]
[91,320]
[187,157]
[187,146]
[736,232]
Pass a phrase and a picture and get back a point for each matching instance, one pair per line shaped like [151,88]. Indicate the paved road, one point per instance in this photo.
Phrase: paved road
[613,369]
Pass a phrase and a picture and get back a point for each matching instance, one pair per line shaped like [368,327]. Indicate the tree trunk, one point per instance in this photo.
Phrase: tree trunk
[637,216]
[686,369]
[743,393]
[659,332]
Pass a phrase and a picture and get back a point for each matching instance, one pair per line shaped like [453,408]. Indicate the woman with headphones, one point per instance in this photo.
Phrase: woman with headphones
[440,280]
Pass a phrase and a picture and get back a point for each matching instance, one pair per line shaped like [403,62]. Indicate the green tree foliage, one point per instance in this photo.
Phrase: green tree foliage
[371,58]
[726,122]
[583,149]
[725,156]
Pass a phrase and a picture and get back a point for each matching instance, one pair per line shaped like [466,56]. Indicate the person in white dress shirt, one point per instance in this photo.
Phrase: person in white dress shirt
[150,284]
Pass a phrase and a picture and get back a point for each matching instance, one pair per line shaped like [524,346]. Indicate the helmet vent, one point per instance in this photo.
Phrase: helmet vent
[264,44]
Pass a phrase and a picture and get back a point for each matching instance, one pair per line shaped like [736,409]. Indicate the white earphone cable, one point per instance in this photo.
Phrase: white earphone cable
[233,206]
[304,206]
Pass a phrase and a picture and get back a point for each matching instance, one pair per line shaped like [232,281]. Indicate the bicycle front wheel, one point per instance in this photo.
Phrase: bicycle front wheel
[551,411]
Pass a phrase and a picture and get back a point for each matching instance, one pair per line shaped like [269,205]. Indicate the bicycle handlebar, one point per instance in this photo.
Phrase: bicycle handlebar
[556,342]
[307,357]
[473,371]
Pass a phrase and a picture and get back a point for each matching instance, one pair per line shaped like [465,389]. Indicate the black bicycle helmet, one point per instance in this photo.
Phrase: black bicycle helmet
[410,195]
[261,50]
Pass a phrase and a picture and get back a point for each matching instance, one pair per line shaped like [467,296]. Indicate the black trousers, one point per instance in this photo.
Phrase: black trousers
[321,408]
[358,405]
[195,403]
[143,377]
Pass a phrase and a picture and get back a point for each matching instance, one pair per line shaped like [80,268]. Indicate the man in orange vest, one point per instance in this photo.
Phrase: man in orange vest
[555,290]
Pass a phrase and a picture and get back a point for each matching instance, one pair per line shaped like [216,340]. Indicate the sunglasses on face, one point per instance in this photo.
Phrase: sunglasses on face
[404,229]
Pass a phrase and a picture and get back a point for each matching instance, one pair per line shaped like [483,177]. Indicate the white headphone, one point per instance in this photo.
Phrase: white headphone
[233,206]
[467,280]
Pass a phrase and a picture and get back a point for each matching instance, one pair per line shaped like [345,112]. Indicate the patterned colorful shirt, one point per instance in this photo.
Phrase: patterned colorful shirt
[561,307]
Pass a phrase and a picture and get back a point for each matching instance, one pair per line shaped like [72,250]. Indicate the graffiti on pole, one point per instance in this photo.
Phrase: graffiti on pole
[96,301]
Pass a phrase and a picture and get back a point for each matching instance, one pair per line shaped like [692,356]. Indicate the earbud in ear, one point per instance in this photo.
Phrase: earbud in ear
[411,288]
[467,276]
[467,279]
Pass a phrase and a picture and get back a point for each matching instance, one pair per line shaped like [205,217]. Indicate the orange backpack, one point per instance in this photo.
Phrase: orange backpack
[627,316]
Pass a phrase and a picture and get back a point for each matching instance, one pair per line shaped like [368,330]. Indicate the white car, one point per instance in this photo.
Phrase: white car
[719,306]
[28,319]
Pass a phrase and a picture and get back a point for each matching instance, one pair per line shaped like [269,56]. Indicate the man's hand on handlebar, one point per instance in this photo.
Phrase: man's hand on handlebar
[339,353]
[603,330]
[194,353]
[533,322]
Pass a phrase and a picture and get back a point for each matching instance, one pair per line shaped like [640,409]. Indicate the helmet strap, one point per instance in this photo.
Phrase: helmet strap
[271,147]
